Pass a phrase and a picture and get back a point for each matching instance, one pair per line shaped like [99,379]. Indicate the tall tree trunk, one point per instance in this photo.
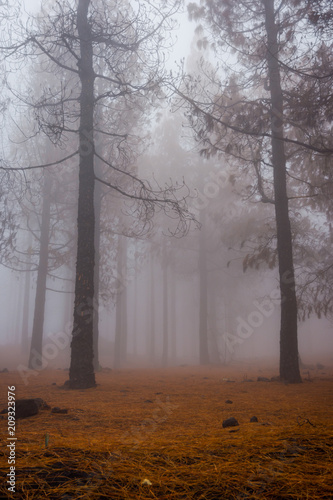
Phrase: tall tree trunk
[289,365]
[97,239]
[26,303]
[120,343]
[124,333]
[151,311]
[81,373]
[203,306]
[173,316]
[135,305]
[36,348]
[214,348]
[165,347]
[19,300]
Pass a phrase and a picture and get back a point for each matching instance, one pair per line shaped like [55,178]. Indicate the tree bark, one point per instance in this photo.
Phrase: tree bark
[203,306]
[81,373]
[120,343]
[36,348]
[173,318]
[135,305]
[289,365]
[214,353]
[124,333]
[151,312]
[97,240]
[26,303]
[165,348]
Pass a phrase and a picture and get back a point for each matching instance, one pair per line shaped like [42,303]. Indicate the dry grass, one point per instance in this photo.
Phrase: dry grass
[166,426]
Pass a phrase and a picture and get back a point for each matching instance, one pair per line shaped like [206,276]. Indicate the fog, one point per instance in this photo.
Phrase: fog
[160,294]
[159,271]
[242,332]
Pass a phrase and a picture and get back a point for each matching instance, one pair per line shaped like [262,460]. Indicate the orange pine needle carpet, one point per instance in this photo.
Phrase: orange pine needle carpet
[157,434]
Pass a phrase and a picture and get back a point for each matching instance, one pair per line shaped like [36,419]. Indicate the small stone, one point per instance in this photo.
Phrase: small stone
[56,409]
[54,383]
[253,419]
[229,422]
[263,379]
[5,370]
[228,402]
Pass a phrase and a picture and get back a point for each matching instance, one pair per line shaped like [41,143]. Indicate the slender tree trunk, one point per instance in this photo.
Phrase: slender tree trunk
[19,300]
[135,305]
[26,302]
[165,348]
[124,333]
[97,239]
[151,312]
[203,306]
[36,348]
[289,365]
[173,316]
[25,314]
[118,326]
[214,348]
[120,344]
[81,373]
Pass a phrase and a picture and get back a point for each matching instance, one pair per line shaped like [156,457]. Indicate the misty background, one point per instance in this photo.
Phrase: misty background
[153,286]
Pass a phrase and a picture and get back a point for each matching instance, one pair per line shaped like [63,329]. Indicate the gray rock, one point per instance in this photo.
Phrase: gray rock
[229,422]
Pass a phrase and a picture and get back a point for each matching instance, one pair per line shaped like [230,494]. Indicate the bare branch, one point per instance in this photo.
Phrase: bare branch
[20,169]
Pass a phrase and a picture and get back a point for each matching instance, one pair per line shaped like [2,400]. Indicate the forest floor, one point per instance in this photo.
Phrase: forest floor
[157,434]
